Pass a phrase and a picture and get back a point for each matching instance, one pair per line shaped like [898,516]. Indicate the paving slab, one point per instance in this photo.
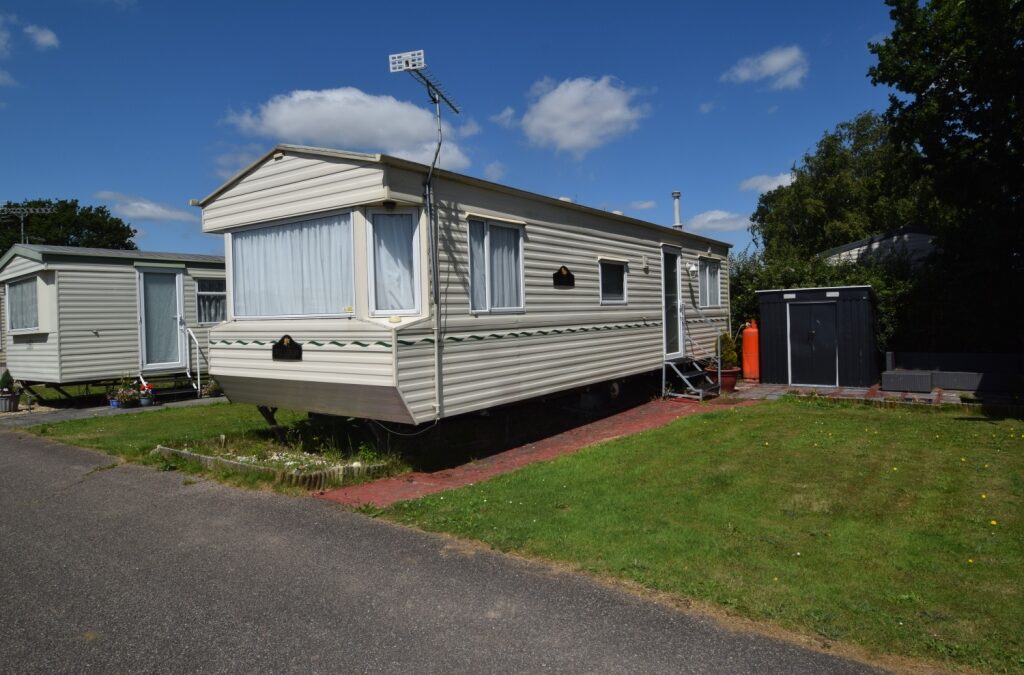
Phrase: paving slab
[28,418]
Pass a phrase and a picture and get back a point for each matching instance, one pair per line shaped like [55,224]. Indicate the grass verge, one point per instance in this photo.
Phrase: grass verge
[896,529]
[245,433]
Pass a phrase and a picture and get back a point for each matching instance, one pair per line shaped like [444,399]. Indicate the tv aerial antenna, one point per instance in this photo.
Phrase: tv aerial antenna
[22,211]
[415,64]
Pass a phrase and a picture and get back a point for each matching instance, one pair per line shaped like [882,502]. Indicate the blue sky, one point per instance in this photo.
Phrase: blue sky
[141,105]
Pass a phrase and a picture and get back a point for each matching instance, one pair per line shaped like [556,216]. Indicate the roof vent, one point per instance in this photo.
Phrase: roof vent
[618,213]
[566,199]
[678,224]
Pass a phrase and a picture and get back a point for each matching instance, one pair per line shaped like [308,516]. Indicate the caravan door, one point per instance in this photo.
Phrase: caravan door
[161,319]
[672,305]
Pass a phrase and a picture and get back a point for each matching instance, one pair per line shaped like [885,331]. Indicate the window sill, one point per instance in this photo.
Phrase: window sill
[614,303]
[489,312]
[27,331]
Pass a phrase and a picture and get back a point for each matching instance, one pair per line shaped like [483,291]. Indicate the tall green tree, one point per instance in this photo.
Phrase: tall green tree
[69,225]
[958,71]
[856,183]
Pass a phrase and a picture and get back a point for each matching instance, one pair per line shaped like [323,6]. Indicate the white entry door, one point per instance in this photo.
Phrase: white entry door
[162,324]
[672,305]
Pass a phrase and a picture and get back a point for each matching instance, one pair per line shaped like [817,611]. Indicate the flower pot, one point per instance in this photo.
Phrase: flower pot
[145,402]
[9,402]
[114,403]
[729,377]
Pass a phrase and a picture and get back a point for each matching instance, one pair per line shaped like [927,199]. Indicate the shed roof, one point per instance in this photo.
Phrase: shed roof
[41,252]
[389,160]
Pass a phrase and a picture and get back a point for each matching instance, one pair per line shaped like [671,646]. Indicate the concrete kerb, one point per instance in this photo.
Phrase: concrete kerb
[315,481]
[29,418]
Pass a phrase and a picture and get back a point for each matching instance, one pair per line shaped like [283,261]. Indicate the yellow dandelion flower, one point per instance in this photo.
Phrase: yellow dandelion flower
[993,522]
[895,469]
[984,496]
[970,561]
[963,459]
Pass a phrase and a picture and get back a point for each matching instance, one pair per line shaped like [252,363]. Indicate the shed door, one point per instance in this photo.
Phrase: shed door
[813,355]
[162,320]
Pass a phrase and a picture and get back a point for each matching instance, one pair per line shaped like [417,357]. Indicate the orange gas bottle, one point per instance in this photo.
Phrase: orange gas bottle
[751,355]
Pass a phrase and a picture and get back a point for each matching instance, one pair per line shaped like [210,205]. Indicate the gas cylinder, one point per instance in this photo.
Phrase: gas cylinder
[751,355]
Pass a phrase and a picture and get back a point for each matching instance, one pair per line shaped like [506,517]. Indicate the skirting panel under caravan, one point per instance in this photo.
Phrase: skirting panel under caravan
[357,400]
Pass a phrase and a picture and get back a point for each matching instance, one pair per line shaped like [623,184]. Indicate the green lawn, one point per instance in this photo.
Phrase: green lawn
[896,529]
[133,436]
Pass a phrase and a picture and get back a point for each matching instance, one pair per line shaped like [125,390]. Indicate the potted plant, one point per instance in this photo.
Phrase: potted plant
[9,394]
[126,395]
[730,362]
[146,394]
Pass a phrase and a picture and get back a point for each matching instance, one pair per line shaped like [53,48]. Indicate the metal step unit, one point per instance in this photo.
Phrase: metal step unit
[686,378]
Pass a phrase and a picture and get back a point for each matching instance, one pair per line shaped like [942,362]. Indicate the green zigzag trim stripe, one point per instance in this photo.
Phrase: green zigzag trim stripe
[454,338]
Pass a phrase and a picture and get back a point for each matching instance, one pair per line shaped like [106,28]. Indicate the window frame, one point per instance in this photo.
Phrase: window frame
[703,264]
[624,264]
[26,330]
[371,265]
[197,280]
[521,234]
[230,269]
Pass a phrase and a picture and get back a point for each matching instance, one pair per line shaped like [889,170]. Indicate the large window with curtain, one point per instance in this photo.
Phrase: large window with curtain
[295,269]
[495,267]
[709,283]
[394,255]
[23,305]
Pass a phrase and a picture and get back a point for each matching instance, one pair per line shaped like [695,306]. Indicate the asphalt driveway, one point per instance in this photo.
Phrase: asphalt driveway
[121,568]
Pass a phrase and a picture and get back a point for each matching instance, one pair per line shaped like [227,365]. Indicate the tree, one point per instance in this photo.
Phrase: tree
[959,70]
[855,184]
[68,225]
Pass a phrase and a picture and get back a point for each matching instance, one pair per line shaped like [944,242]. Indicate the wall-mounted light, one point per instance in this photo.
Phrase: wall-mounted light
[691,269]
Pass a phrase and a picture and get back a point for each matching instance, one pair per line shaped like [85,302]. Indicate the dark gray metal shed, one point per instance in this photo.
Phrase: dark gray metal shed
[818,337]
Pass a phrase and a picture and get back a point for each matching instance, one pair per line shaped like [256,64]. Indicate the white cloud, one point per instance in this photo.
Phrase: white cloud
[469,129]
[351,119]
[141,208]
[766,183]
[43,38]
[494,171]
[718,221]
[6,79]
[233,160]
[506,118]
[706,107]
[643,205]
[581,114]
[5,34]
[786,67]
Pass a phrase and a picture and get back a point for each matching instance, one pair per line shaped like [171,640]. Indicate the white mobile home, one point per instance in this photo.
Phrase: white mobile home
[331,308]
[86,314]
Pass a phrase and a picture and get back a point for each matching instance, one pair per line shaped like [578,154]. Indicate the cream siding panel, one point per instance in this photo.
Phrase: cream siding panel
[415,367]
[18,266]
[350,351]
[99,323]
[3,327]
[33,357]
[329,398]
[294,186]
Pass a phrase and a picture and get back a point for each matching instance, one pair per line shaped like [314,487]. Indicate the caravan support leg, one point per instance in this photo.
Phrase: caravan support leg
[269,415]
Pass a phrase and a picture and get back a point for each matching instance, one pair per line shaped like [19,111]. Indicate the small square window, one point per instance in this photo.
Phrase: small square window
[211,300]
[613,283]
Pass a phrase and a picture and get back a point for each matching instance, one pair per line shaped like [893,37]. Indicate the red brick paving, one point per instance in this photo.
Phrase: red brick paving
[387,491]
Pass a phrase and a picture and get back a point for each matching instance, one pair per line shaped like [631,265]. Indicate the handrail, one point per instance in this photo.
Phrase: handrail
[188,362]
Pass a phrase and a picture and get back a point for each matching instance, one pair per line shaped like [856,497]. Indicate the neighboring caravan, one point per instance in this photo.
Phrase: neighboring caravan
[330,302]
[87,314]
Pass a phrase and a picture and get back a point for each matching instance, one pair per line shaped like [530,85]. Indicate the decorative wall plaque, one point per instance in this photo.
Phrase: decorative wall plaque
[286,349]
[563,278]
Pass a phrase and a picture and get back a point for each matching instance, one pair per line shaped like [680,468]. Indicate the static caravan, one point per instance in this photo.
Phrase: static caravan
[86,314]
[332,305]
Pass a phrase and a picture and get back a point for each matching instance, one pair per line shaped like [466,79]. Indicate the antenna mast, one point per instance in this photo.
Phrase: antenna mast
[415,64]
